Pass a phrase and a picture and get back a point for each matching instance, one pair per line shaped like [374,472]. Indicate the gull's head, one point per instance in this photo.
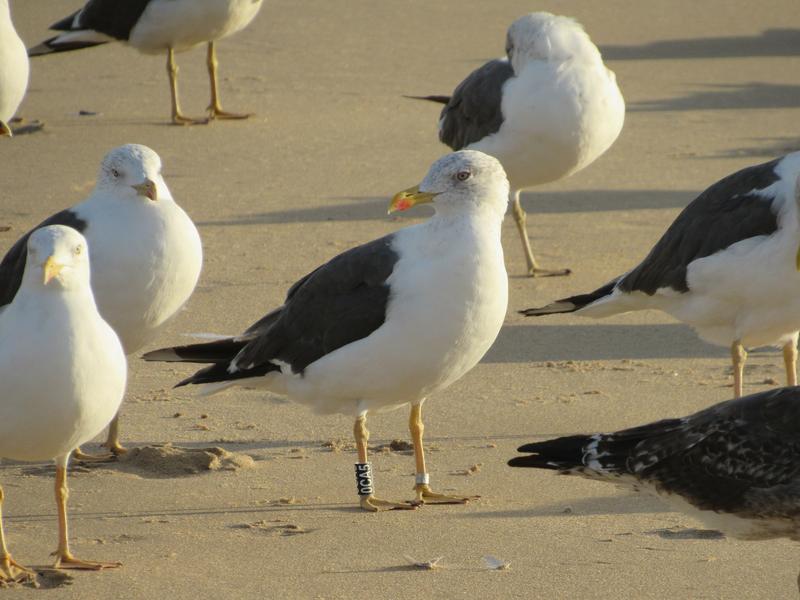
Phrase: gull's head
[57,258]
[544,36]
[464,181]
[132,172]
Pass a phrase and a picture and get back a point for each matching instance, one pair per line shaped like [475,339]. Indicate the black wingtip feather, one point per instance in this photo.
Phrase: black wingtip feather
[436,99]
[209,352]
[560,453]
[534,461]
[571,304]
[50,47]
[219,373]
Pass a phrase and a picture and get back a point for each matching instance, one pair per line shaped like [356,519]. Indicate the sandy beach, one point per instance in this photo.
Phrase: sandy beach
[710,87]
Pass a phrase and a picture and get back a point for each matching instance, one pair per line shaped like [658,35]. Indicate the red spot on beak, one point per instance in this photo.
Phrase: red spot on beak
[403,205]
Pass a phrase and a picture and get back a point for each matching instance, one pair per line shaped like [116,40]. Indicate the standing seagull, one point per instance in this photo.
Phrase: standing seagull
[155,26]
[547,110]
[735,466]
[727,266]
[62,370]
[13,69]
[145,250]
[384,324]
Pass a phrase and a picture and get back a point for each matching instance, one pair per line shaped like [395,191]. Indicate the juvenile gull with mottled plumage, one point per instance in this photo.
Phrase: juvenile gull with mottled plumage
[546,110]
[735,466]
[155,26]
[727,266]
[384,324]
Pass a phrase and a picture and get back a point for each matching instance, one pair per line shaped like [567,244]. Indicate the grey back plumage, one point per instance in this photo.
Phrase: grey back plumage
[340,302]
[729,211]
[475,108]
[111,17]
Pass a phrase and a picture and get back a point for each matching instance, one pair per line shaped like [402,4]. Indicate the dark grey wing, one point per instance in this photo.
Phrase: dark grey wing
[339,303]
[114,18]
[729,211]
[13,264]
[739,456]
[475,108]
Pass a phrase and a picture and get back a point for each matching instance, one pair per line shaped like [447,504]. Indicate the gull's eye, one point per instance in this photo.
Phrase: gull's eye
[78,250]
[115,173]
[463,175]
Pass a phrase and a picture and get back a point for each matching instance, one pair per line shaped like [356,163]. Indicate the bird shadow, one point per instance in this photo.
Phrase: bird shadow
[367,208]
[773,147]
[186,512]
[770,42]
[541,343]
[576,507]
[753,95]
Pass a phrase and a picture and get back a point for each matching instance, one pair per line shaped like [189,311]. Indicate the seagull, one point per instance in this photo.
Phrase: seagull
[145,251]
[155,26]
[384,324]
[63,373]
[727,266]
[13,69]
[734,465]
[546,110]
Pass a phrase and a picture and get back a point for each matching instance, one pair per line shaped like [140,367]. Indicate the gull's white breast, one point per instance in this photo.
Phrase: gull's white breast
[62,373]
[146,260]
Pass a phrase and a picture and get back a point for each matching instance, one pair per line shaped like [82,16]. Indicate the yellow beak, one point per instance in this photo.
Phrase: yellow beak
[147,189]
[51,269]
[5,129]
[410,197]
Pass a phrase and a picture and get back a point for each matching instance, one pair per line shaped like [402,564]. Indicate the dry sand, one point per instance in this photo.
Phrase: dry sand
[708,92]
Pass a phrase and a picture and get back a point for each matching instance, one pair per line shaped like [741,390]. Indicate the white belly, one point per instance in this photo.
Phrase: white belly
[53,407]
[13,72]
[748,292]
[183,24]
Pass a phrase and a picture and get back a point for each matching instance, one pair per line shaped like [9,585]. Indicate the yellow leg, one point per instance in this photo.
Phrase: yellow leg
[738,356]
[215,108]
[177,117]
[112,442]
[368,501]
[10,570]
[64,558]
[790,361]
[521,219]
[422,487]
